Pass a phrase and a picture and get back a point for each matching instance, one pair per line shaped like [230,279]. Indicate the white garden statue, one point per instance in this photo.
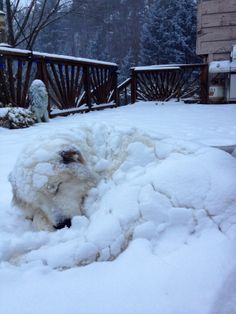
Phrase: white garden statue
[38,99]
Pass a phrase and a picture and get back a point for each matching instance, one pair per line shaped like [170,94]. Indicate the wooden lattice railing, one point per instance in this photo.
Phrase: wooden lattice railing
[124,92]
[81,85]
[161,83]
[72,83]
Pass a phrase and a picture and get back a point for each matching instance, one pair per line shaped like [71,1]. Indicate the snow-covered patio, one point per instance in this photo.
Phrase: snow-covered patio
[181,253]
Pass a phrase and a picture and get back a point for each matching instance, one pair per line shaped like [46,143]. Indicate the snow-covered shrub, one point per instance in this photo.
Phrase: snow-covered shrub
[38,99]
[16,118]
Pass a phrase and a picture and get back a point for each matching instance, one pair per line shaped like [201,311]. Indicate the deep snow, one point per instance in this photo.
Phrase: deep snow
[172,201]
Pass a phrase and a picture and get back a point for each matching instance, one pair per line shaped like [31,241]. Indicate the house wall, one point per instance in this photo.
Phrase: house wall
[216,32]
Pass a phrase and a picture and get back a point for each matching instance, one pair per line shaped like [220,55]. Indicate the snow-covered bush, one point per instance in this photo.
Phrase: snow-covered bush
[16,118]
[38,99]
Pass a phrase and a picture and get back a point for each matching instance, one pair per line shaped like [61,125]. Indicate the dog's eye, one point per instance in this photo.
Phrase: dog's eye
[69,156]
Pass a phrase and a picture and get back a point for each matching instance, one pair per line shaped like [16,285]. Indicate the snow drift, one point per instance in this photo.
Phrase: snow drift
[138,190]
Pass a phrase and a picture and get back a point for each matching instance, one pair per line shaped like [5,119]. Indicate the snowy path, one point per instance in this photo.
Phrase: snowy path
[181,259]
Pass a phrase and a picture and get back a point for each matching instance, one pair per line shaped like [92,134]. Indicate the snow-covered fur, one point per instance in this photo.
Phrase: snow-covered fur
[53,175]
[50,181]
[38,98]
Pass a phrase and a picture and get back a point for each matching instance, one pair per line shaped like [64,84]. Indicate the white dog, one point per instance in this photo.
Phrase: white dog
[38,98]
[51,179]
[53,175]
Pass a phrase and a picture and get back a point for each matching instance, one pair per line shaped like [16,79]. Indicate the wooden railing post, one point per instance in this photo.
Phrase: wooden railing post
[178,85]
[133,86]
[116,94]
[5,96]
[204,85]
[44,74]
[87,88]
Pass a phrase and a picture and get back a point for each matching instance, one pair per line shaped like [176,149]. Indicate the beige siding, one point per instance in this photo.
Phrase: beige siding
[218,20]
[216,32]
[216,6]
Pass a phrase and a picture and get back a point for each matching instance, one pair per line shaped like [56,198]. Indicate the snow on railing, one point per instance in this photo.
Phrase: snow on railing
[36,54]
[71,82]
[167,81]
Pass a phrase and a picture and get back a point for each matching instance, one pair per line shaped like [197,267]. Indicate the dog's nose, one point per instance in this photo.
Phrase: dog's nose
[63,224]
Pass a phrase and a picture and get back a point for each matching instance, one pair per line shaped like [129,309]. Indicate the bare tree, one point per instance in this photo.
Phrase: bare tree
[25,22]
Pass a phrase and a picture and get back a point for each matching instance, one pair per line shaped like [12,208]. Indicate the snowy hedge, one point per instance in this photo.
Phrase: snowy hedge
[16,118]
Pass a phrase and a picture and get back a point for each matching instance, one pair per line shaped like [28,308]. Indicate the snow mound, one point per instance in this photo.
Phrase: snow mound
[148,187]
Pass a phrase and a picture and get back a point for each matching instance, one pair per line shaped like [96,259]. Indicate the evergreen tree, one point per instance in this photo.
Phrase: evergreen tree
[54,38]
[188,24]
[128,32]
[109,30]
[168,34]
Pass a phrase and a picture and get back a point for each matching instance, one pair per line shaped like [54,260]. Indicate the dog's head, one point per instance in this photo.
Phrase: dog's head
[67,187]
[55,185]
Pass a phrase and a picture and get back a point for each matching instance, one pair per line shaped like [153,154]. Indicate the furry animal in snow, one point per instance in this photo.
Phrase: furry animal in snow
[50,181]
[53,175]
[38,98]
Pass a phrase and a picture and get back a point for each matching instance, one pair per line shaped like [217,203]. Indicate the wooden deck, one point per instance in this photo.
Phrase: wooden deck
[83,85]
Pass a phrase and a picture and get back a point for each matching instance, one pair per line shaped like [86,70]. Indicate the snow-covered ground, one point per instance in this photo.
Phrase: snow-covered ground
[159,233]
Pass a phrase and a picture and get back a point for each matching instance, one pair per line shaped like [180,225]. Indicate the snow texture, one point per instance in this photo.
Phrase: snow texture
[163,212]
[38,98]
[55,56]
[16,118]
[158,67]
[222,66]
[134,186]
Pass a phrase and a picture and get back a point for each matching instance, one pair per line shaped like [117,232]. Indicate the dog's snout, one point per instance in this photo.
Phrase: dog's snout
[63,224]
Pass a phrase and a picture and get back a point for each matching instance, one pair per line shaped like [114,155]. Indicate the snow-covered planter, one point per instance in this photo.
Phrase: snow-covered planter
[38,99]
[16,118]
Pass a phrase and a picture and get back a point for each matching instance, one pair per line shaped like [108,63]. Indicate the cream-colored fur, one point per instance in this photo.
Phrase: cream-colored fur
[60,198]
[51,179]
[53,175]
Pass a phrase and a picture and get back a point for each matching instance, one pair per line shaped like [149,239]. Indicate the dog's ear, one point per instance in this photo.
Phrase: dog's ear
[72,155]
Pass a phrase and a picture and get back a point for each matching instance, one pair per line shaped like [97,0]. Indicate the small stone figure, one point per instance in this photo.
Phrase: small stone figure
[38,98]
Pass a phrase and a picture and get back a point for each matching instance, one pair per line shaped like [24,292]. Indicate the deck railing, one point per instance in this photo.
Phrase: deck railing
[82,85]
[161,83]
[72,83]
[124,93]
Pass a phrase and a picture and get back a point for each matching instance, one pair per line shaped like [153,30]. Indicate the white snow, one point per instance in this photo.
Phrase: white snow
[54,56]
[222,66]
[158,67]
[161,228]
[3,112]
[38,99]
